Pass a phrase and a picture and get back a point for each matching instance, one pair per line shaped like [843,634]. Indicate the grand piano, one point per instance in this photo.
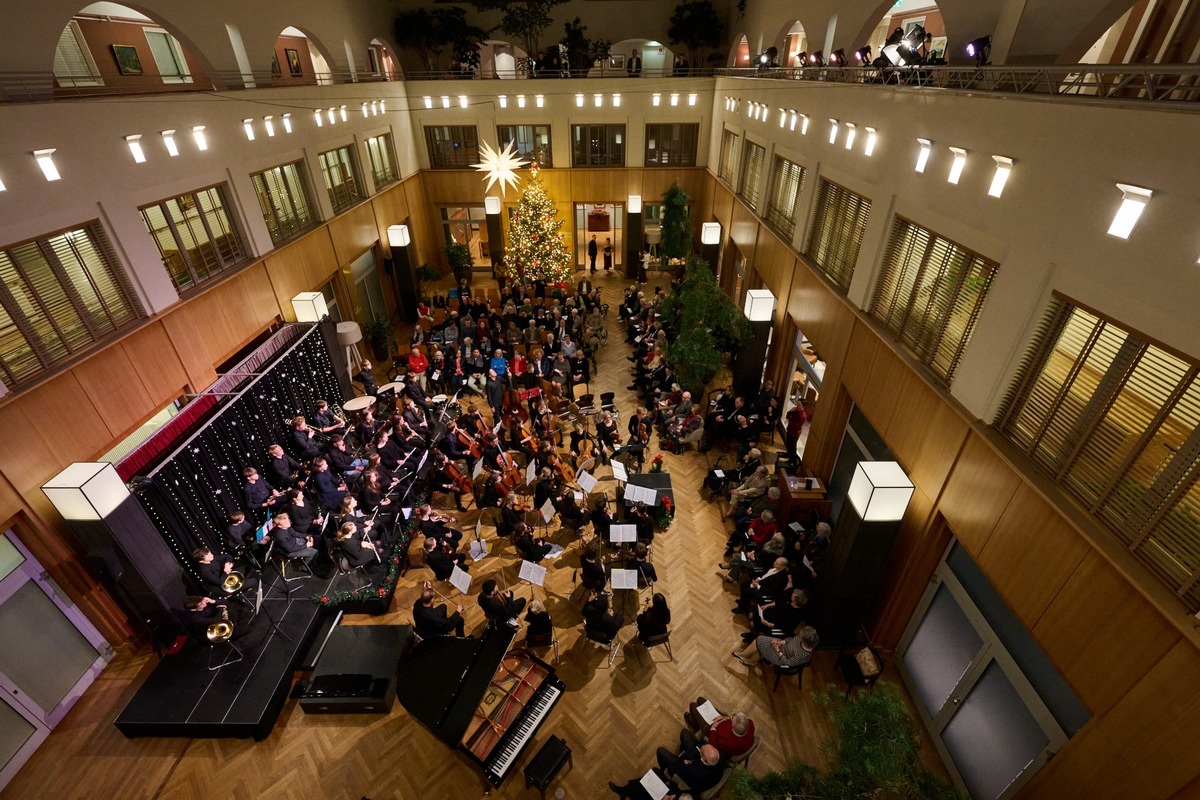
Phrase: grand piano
[481,698]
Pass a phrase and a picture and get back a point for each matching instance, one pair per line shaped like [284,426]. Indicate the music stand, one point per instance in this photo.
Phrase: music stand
[479,548]
[533,574]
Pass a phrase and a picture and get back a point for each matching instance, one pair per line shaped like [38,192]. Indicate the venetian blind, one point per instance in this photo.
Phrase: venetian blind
[283,198]
[752,164]
[338,169]
[787,181]
[1115,420]
[728,152]
[379,151]
[929,295]
[837,232]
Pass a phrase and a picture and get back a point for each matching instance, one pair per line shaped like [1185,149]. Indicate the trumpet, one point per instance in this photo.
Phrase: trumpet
[233,582]
[339,415]
[219,631]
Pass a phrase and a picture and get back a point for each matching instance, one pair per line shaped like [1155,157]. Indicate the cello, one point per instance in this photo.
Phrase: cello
[460,477]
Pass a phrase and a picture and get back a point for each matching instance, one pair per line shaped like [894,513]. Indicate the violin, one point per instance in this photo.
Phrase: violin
[643,433]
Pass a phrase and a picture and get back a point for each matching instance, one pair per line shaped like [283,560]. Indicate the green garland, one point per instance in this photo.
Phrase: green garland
[370,591]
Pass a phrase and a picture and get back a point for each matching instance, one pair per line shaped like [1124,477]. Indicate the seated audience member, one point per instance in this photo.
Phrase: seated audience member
[794,651]
[731,734]
[696,768]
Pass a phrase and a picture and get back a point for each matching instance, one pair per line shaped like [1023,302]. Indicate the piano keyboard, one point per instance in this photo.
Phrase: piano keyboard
[506,753]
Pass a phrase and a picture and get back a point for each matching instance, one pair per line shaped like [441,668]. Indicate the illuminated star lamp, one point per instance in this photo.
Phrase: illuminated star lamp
[499,166]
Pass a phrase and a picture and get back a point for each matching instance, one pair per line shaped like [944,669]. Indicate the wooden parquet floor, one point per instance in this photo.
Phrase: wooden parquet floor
[612,718]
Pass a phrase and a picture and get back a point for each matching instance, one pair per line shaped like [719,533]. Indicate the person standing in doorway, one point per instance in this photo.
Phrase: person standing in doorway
[634,65]
[608,254]
[592,250]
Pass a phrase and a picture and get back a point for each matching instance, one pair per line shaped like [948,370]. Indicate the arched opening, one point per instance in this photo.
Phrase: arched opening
[299,60]
[112,48]
[906,17]
[656,57]
[739,55]
[1150,32]
[500,59]
[791,42]
[380,63]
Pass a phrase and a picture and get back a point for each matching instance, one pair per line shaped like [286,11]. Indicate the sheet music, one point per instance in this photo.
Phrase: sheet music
[547,510]
[654,785]
[636,494]
[460,579]
[720,473]
[586,482]
[556,550]
[618,470]
[624,579]
[478,469]
[795,526]
[708,711]
[622,533]
[577,495]
[534,573]
[530,471]
[407,513]
[478,551]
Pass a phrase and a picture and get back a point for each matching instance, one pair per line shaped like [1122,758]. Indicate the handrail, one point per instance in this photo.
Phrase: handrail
[1173,85]
[1169,84]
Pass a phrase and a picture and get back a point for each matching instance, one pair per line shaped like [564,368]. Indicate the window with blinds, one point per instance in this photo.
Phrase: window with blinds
[59,296]
[197,235]
[339,170]
[1115,419]
[168,56]
[383,160]
[727,157]
[532,142]
[929,295]
[787,181]
[752,166]
[452,146]
[597,145]
[837,232]
[73,65]
[671,145]
[283,197]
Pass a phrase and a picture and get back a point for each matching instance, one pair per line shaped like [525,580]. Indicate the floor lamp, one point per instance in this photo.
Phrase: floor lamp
[349,334]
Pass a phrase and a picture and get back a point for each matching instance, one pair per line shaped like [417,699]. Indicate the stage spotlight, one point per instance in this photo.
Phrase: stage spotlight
[863,55]
[838,57]
[817,59]
[802,58]
[981,50]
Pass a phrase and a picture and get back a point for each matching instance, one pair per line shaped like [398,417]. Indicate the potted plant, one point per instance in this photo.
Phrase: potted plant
[708,323]
[461,262]
[426,273]
[379,334]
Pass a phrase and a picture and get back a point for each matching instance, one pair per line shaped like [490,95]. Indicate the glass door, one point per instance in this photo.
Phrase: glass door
[51,654]
[988,722]
[606,222]
[365,275]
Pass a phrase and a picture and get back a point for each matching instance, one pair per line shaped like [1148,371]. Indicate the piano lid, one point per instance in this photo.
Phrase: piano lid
[443,679]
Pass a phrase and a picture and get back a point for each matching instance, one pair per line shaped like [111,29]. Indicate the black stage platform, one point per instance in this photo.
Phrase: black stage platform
[181,697]
[660,481]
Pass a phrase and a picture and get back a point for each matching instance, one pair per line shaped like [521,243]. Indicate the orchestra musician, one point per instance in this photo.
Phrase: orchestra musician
[259,496]
[329,488]
[607,436]
[390,453]
[430,621]
[456,444]
[342,461]
[325,421]
[204,611]
[304,445]
[372,495]
[433,525]
[500,607]
[367,428]
[356,550]
[386,479]
[531,549]
[440,481]
[292,543]
[212,570]
[239,532]
[441,558]
[304,516]
[283,470]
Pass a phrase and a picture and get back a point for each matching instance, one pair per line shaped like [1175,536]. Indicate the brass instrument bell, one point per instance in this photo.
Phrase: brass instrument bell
[220,631]
[233,582]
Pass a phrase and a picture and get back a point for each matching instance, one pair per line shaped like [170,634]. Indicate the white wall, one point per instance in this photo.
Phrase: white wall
[1048,231]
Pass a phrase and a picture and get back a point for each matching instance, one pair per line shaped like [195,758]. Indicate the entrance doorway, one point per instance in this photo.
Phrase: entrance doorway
[468,225]
[364,275]
[51,654]
[604,221]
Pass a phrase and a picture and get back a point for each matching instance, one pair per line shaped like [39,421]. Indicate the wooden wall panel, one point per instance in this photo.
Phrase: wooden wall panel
[354,232]
[1098,614]
[111,385]
[192,347]
[979,488]
[915,555]
[391,208]
[877,395]
[723,207]
[925,432]
[1031,554]
[455,186]
[704,208]
[655,182]
[858,362]
[744,230]
[1148,746]
[603,185]
[56,402]
[427,226]
[157,364]
[11,502]
[260,306]
[301,266]
[25,456]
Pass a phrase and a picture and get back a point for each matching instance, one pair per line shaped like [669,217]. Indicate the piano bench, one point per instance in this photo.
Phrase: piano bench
[542,768]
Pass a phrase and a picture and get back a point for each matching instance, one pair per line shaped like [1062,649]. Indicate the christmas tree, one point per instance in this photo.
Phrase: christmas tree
[535,247]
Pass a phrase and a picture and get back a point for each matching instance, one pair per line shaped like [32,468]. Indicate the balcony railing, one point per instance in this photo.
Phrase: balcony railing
[1140,83]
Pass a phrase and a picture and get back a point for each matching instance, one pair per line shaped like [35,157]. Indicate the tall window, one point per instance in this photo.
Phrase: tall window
[787,179]
[283,196]
[930,294]
[452,146]
[532,141]
[837,233]
[338,169]
[752,167]
[197,235]
[58,297]
[73,64]
[168,56]
[672,145]
[728,156]
[1115,419]
[383,160]
[598,145]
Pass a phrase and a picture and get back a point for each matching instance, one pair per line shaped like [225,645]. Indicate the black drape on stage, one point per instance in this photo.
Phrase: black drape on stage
[192,492]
